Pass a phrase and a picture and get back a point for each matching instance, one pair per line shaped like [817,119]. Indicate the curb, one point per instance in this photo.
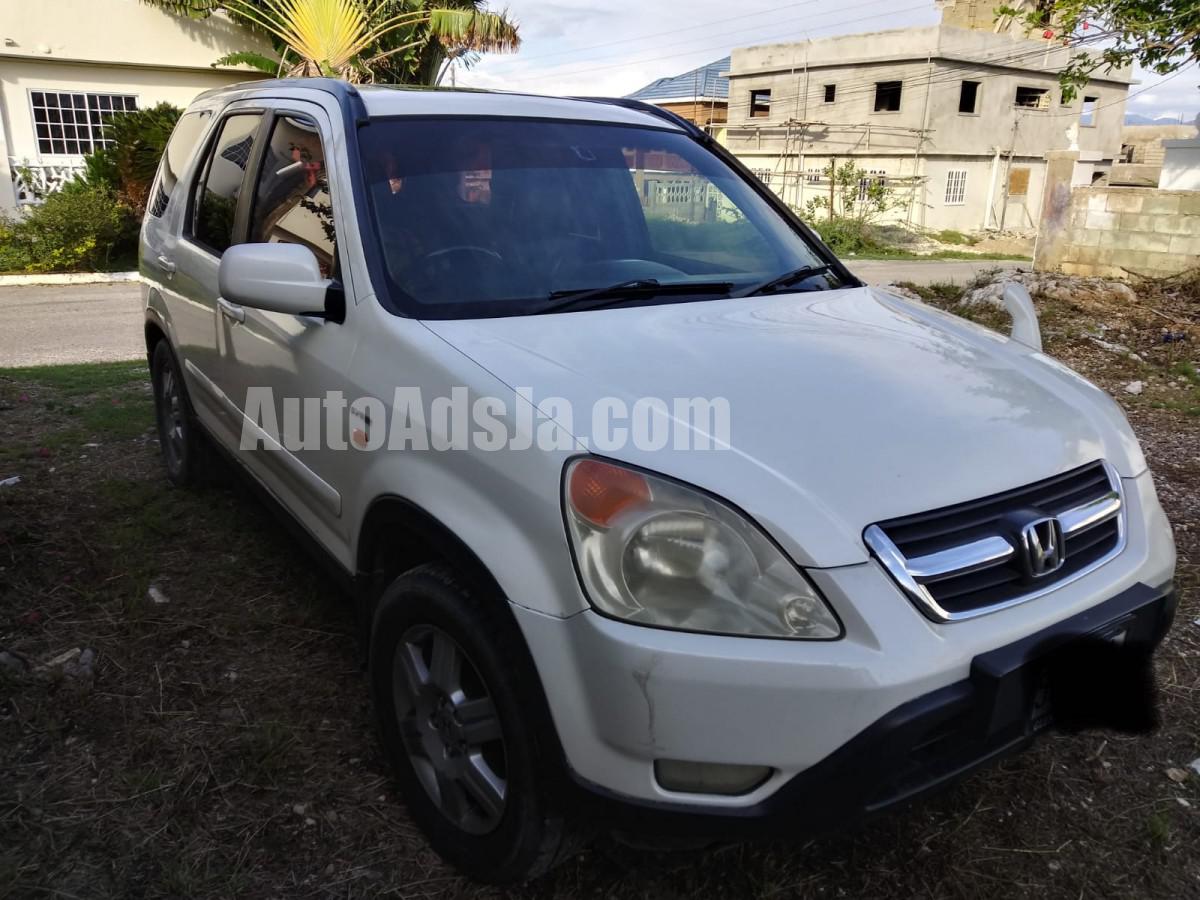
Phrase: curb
[70,278]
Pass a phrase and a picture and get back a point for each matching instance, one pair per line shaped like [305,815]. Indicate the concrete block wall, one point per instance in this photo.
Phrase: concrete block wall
[1116,232]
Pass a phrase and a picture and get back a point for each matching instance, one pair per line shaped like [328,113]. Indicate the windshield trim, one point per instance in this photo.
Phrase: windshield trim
[381,282]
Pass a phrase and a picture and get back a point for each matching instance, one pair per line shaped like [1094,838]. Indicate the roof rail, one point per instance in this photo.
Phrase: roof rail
[344,92]
[641,106]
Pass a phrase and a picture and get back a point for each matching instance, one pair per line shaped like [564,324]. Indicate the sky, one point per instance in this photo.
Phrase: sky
[616,47]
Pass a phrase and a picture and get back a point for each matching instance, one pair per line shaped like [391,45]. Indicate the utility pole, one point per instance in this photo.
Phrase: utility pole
[832,179]
[1012,147]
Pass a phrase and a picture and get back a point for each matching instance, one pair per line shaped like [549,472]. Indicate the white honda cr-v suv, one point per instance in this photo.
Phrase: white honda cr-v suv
[657,519]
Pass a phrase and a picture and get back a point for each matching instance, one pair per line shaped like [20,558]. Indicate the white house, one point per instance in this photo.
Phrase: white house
[1181,163]
[66,65]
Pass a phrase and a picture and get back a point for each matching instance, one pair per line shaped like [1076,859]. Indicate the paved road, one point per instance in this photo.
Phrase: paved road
[925,271]
[51,324]
[47,325]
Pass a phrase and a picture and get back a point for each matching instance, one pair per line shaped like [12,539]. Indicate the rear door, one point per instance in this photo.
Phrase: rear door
[191,327]
[213,220]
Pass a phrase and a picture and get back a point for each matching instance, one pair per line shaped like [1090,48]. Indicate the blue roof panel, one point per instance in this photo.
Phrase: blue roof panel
[705,81]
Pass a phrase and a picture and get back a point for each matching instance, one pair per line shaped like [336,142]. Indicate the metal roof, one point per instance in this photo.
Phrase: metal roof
[704,83]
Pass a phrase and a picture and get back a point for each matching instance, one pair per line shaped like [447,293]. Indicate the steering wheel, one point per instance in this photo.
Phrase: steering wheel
[465,248]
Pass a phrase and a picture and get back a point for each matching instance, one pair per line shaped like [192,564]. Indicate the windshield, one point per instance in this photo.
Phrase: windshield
[497,217]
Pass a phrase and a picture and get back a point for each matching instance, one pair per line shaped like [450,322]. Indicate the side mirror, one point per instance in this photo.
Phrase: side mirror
[282,278]
[1025,326]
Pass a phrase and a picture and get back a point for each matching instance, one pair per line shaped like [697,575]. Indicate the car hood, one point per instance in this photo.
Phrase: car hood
[847,407]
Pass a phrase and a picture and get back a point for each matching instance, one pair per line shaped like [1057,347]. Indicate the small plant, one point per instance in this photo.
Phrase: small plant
[1159,830]
[857,195]
[845,219]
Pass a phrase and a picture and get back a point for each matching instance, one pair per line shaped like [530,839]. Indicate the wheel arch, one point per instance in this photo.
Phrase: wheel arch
[154,329]
[397,535]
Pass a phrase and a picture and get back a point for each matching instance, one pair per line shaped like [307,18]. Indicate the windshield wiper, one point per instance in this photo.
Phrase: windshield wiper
[773,284]
[624,290]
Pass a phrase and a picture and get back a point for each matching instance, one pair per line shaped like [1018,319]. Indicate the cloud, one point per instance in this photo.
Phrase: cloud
[578,47]
[1167,95]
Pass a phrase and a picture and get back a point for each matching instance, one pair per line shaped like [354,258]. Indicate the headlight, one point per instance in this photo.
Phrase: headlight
[658,553]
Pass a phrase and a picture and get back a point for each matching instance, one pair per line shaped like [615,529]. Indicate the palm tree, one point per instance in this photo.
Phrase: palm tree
[402,41]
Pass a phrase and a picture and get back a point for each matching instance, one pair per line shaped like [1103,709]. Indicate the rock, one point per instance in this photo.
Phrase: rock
[906,293]
[1121,291]
[988,293]
[1179,776]
[62,659]
[10,662]
[82,668]
[1110,346]
[1134,387]
[1194,765]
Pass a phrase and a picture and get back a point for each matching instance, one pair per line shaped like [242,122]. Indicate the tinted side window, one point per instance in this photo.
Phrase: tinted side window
[217,193]
[291,201]
[178,154]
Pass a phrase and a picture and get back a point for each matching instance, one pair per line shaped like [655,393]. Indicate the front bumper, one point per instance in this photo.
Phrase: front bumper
[622,696]
[913,750]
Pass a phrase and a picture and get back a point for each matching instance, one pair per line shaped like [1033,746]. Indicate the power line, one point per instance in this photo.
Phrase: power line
[723,45]
[644,37]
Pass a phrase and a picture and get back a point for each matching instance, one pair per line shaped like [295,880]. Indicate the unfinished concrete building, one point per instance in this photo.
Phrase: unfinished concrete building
[956,118]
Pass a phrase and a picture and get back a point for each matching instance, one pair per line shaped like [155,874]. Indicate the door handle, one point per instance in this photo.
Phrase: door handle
[231,312]
[166,264]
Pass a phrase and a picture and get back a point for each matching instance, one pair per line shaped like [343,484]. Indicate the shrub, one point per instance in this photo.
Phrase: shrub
[100,169]
[129,164]
[140,140]
[847,236]
[82,227]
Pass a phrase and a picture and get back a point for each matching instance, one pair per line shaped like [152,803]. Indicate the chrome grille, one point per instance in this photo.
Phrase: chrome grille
[972,558]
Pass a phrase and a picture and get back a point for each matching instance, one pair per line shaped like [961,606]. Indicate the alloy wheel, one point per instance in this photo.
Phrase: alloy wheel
[173,418]
[450,728]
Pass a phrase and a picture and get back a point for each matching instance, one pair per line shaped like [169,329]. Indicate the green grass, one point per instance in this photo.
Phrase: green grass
[1188,371]
[940,292]
[77,405]
[951,236]
[80,379]
[892,253]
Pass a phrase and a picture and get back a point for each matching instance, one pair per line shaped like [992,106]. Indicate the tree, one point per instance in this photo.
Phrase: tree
[1160,35]
[857,196]
[398,41]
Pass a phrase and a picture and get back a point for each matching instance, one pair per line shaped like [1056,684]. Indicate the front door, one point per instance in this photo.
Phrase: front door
[279,369]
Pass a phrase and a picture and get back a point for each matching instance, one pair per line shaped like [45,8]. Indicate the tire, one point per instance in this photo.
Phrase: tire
[461,720]
[186,455]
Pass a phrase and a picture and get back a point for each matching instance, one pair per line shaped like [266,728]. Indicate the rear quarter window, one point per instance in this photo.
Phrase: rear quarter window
[180,149]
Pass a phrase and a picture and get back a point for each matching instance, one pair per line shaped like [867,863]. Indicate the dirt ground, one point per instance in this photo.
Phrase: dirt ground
[219,743]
